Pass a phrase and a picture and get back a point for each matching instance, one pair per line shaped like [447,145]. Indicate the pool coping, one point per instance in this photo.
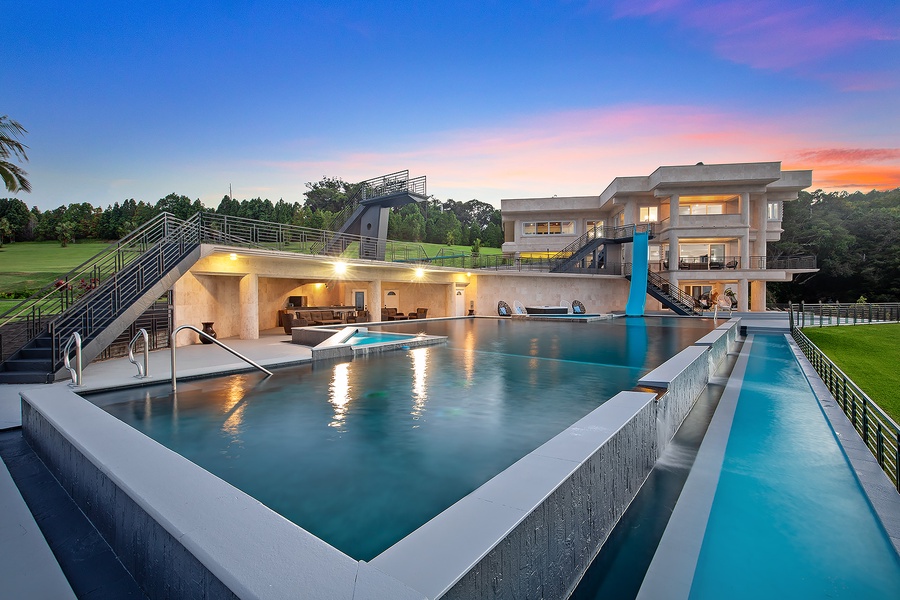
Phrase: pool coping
[671,572]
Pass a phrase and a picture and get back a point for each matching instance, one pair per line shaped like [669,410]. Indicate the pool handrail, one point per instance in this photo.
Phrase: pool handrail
[214,341]
[75,371]
[143,370]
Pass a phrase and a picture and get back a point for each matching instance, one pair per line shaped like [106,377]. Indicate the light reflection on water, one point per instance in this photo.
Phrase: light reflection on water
[361,453]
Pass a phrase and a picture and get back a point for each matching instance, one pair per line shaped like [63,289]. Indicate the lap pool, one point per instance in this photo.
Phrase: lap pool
[362,452]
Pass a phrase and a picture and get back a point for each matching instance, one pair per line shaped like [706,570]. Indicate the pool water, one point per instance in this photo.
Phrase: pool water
[365,338]
[362,452]
[789,518]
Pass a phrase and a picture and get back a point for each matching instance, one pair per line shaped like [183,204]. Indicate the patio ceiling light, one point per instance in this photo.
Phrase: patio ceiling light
[340,268]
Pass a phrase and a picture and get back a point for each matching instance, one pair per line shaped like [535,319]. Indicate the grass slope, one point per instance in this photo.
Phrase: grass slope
[869,355]
[29,266]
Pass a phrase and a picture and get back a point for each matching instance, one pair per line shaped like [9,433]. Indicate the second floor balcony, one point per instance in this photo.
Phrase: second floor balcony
[755,263]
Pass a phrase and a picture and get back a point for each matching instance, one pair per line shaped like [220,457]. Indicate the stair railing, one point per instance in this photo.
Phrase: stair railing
[214,341]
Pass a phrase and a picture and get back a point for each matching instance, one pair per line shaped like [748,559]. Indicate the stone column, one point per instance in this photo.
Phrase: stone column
[674,203]
[762,219]
[758,292]
[745,208]
[743,295]
[744,240]
[249,299]
[375,300]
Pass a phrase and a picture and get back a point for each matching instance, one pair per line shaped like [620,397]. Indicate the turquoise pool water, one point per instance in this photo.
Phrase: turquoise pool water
[362,452]
[365,338]
[789,519]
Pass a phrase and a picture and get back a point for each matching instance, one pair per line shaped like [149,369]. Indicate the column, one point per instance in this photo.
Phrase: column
[249,299]
[762,223]
[375,299]
[674,255]
[451,300]
[744,241]
[758,293]
[743,295]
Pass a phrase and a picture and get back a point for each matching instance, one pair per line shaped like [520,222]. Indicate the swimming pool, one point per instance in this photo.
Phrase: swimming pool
[788,517]
[367,338]
[362,452]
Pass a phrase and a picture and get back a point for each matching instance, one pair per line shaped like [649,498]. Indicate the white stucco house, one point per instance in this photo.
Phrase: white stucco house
[710,226]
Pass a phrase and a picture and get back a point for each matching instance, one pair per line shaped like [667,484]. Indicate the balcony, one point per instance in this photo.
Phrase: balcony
[756,263]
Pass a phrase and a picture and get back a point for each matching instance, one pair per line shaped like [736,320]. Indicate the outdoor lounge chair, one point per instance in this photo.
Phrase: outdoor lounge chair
[420,313]
[288,321]
[503,309]
[520,310]
[577,308]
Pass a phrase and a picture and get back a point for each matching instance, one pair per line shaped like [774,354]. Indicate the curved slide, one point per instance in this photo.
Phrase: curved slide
[637,296]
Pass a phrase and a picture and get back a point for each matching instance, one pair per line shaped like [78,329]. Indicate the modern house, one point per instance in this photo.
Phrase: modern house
[710,226]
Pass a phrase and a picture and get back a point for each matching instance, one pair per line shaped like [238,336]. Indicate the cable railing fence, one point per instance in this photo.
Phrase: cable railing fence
[878,431]
[824,314]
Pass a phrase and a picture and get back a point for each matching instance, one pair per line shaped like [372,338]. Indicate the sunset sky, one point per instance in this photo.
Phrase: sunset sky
[489,100]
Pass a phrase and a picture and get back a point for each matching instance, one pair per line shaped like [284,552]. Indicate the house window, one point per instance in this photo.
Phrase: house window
[773,211]
[593,228]
[704,208]
[649,214]
[549,228]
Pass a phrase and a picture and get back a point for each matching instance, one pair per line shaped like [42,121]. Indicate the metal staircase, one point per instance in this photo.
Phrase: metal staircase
[97,300]
[670,296]
[377,194]
[571,258]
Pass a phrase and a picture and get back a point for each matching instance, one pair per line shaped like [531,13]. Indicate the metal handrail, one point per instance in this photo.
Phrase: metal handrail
[143,371]
[878,431]
[214,341]
[824,314]
[75,372]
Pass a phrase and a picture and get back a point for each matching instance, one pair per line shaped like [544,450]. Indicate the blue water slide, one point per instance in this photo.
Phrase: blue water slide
[637,297]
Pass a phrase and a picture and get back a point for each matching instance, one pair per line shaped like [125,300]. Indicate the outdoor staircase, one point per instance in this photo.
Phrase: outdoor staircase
[383,192]
[593,243]
[98,300]
[670,296]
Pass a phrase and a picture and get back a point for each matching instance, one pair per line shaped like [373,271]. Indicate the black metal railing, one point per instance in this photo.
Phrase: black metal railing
[824,314]
[607,232]
[878,431]
[376,187]
[755,263]
[94,312]
[31,316]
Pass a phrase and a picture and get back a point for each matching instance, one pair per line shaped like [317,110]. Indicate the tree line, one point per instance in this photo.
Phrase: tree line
[856,239]
[447,222]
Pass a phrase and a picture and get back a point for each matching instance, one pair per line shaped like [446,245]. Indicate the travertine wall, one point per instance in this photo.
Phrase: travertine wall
[599,294]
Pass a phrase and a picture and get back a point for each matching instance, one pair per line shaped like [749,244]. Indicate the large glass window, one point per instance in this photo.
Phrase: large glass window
[773,211]
[704,208]
[649,214]
[548,228]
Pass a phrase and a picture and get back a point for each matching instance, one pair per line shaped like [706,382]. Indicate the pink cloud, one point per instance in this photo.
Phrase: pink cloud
[765,34]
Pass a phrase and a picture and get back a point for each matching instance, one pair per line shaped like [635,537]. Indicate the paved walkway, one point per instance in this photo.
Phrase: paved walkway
[273,348]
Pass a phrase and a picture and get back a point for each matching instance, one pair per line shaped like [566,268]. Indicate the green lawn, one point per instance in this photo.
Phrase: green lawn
[32,265]
[869,355]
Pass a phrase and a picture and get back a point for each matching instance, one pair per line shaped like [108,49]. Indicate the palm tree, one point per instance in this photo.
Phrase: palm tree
[13,175]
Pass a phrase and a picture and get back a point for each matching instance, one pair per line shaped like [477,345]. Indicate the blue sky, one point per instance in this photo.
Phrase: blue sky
[487,99]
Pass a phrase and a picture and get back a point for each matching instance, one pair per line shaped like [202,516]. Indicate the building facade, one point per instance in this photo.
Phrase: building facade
[711,225]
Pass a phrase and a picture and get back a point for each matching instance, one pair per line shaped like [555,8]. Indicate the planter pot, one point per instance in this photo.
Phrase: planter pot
[208,330]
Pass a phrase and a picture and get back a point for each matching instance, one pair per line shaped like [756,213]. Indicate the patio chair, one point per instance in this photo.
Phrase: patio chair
[577,308]
[503,309]
[419,314]
[288,321]
[520,310]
